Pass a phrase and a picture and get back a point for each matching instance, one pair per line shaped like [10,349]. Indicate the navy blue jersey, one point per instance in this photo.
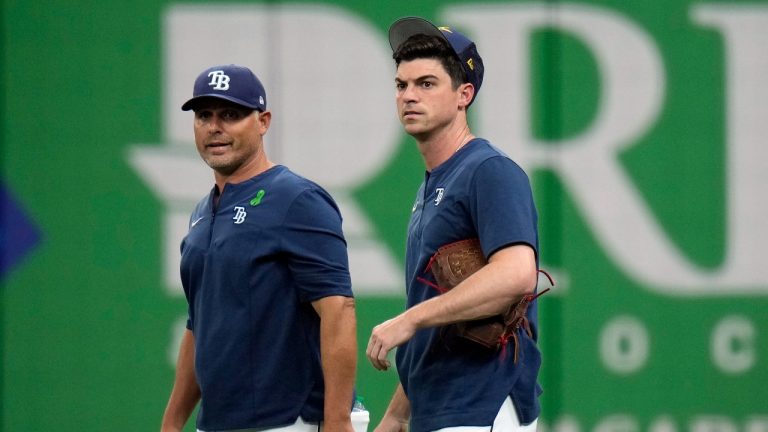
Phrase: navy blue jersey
[250,268]
[477,193]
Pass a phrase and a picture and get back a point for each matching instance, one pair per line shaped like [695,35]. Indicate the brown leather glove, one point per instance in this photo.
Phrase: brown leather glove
[453,263]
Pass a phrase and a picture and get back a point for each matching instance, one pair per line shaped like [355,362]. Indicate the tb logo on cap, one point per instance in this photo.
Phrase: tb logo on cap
[219,81]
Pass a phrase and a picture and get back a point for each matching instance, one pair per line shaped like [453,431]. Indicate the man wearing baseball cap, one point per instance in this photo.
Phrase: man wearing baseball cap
[270,339]
[474,192]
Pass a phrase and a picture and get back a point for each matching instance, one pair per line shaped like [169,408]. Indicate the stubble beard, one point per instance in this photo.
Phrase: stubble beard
[224,167]
[229,164]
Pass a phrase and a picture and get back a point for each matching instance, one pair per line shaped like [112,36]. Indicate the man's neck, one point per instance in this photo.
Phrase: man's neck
[438,148]
[245,172]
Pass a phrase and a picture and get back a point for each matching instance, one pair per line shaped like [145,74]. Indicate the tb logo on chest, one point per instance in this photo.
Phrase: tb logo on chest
[440,192]
[240,215]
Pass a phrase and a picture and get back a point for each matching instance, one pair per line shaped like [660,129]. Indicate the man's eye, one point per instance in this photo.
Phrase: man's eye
[400,86]
[231,115]
[426,84]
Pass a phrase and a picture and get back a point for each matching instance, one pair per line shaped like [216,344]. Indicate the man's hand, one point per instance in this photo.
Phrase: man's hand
[390,424]
[387,336]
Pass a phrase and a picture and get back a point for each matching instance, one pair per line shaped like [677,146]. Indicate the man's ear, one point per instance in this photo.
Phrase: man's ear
[466,93]
[264,119]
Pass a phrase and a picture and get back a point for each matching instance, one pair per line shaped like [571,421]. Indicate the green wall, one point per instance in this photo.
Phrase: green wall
[641,123]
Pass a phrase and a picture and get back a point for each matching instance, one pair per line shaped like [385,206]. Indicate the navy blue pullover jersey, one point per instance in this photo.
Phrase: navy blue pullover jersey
[250,268]
[478,193]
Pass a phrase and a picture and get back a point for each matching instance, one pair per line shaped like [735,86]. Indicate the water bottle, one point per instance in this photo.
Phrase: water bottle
[360,416]
[358,405]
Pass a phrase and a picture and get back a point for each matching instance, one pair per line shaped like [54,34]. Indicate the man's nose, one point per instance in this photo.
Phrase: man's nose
[408,94]
[214,124]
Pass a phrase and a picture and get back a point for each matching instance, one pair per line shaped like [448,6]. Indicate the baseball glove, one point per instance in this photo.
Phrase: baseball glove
[455,262]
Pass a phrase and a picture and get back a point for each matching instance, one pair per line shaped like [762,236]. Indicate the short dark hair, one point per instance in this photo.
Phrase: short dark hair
[426,46]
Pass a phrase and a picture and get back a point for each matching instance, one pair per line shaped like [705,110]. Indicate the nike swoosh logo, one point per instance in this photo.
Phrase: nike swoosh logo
[196,221]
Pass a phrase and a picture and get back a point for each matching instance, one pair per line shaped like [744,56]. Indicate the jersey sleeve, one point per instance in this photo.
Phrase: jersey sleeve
[502,206]
[315,245]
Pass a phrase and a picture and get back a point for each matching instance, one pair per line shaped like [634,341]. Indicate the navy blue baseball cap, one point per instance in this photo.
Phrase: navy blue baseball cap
[234,83]
[465,49]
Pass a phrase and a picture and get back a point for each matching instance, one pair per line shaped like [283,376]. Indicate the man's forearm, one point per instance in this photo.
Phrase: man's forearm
[509,275]
[398,413]
[338,354]
[399,407]
[186,392]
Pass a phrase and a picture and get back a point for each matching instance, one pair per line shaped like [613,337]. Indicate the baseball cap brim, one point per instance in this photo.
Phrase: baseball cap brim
[406,27]
[194,102]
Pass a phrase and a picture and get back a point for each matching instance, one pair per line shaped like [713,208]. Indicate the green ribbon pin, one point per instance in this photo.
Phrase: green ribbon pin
[257,199]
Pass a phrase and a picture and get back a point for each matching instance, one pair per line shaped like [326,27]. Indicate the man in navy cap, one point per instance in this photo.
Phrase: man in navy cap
[471,191]
[270,340]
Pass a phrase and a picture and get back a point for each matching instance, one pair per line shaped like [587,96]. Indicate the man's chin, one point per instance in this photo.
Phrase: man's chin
[414,130]
[224,167]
